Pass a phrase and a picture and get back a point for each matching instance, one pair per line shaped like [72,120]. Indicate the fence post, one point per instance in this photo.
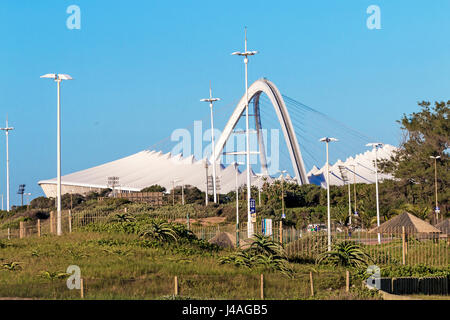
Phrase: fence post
[176,285]
[403,246]
[70,221]
[82,288]
[21,230]
[39,228]
[312,284]
[9,234]
[347,281]
[281,231]
[262,286]
[52,218]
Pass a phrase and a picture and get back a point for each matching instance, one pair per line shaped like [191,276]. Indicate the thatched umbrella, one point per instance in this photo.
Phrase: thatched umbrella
[444,226]
[411,223]
[224,239]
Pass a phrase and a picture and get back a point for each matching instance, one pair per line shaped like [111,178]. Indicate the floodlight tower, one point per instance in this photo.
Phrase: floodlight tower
[375,146]
[246,54]
[58,78]
[7,129]
[211,100]
[327,140]
[21,191]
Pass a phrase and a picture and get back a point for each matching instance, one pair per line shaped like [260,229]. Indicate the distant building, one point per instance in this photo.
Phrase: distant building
[147,168]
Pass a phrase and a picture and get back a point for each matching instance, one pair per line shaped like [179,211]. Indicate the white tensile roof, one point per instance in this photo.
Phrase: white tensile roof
[360,168]
[147,168]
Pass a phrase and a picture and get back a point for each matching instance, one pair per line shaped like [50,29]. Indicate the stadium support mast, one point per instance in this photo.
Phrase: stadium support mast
[7,129]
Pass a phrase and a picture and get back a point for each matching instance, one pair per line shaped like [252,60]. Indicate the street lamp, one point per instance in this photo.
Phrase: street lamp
[375,146]
[211,100]
[28,200]
[327,140]
[236,167]
[58,78]
[7,129]
[283,216]
[246,54]
[436,209]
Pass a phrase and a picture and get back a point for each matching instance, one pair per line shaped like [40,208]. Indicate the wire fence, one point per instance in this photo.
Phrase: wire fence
[400,246]
[190,286]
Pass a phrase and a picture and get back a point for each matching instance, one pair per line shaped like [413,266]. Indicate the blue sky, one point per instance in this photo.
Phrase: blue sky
[140,68]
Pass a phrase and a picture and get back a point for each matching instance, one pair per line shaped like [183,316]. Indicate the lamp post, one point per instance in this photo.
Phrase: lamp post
[7,129]
[246,54]
[375,146]
[211,100]
[354,187]
[283,215]
[327,140]
[28,200]
[236,165]
[436,209]
[58,78]
[207,190]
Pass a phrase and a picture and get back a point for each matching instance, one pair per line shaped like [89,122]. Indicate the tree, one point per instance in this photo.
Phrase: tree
[154,188]
[425,133]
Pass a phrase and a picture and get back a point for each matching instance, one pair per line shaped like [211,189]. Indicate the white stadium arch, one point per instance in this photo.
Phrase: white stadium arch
[254,92]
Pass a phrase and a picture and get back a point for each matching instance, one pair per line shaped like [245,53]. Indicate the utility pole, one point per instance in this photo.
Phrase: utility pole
[436,209]
[211,100]
[58,79]
[246,54]
[7,129]
[237,205]
[375,146]
[354,187]
[327,140]
[207,190]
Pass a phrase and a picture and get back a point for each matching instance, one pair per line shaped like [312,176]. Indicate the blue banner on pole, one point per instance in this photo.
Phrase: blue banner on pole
[252,205]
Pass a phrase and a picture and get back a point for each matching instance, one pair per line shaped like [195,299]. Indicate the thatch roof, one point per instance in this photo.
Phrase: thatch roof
[444,226]
[411,223]
[224,239]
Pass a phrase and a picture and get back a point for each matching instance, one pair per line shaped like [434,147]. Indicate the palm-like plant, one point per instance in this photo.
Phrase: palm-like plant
[123,217]
[159,230]
[54,275]
[12,266]
[345,253]
[266,246]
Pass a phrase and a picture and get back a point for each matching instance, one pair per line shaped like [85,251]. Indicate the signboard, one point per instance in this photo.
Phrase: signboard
[252,205]
[267,227]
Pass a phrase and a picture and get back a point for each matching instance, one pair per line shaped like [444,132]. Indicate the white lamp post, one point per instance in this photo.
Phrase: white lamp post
[436,209]
[211,100]
[7,129]
[236,165]
[327,140]
[58,78]
[246,54]
[375,146]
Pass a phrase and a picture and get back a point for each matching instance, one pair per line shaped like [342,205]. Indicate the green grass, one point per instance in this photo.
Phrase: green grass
[123,266]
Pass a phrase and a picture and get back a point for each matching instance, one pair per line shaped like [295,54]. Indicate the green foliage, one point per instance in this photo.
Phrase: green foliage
[426,133]
[345,254]
[159,230]
[262,253]
[154,188]
[53,275]
[414,271]
[12,266]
